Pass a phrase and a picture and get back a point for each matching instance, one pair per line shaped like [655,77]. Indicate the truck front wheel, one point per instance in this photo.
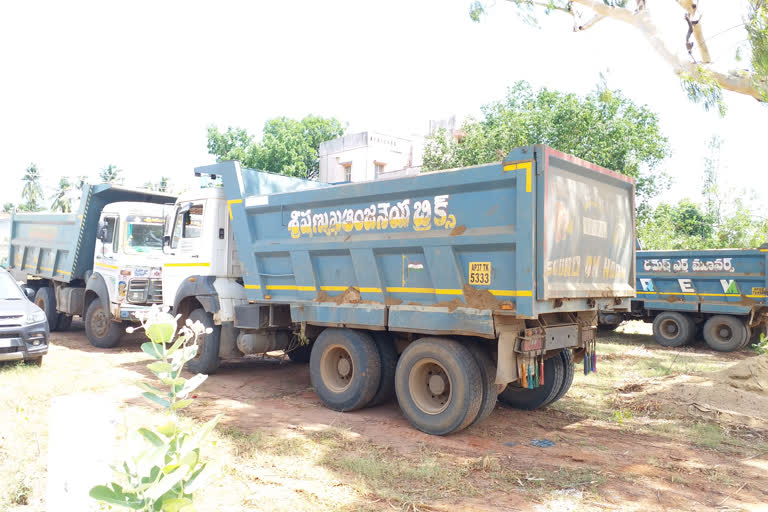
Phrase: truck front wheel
[207,358]
[45,299]
[673,329]
[101,331]
[725,333]
[439,385]
[345,368]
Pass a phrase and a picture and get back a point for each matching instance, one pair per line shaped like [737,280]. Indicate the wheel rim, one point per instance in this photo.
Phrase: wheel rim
[669,329]
[430,386]
[99,322]
[722,333]
[336,368]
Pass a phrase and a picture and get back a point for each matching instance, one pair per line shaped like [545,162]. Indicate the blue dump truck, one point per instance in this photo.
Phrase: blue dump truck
[446,289]
[720,294]
[102,262]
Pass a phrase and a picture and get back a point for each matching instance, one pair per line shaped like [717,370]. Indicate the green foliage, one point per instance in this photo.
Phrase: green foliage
[287,146]
[702,88]
[8,207]
[757,35]
[162,185]
[689,225]
[165,474]
[61,202]
[32,193]
[604,127]
[111,174]
[761,347]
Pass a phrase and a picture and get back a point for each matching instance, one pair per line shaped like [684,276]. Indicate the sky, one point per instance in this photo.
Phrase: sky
[88,84]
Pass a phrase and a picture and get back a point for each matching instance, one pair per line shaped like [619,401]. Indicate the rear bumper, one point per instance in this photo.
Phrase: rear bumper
[24,343]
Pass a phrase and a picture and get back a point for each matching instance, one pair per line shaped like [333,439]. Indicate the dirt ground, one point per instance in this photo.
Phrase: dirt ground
[614,458]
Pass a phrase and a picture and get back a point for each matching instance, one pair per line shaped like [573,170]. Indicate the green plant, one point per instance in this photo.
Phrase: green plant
[761,347]
[164,475]
[620,416]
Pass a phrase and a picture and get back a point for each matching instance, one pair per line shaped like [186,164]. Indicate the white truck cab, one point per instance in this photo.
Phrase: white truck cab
[202,278]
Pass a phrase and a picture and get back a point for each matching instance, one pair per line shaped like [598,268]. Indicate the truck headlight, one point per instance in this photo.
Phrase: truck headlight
[36,317]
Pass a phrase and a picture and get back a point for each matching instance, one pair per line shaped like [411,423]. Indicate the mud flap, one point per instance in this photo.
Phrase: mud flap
[508,330]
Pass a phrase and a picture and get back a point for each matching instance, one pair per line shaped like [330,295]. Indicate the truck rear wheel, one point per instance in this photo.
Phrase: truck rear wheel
[438,385]
[673,329]
[45,299]
[388,356]
[518,397]
[568,373]
[725,333]
[207,358]
[488,374]
[101,331]
[345,369]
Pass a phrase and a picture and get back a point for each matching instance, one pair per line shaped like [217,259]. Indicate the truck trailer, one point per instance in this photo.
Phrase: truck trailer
[718,293]
[444,289]
[103,262]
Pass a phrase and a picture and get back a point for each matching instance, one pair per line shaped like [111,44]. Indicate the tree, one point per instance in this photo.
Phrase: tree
[111,174]
[8,207]
[163,185]
[603,127]
[691,59]
[287,146]
[80,182]
[32,193]
[61,200]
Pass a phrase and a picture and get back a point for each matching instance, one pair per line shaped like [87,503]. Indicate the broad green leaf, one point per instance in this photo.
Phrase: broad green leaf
[177,505]
[192,384]
[170,467]
[151,388]
[151,349]
[167,429]
[116,497]
[181,404]
[151,437]
[156,399]
[173,348]
[191,458]
[160,367]
[165,483]
[178,381]
[201,434]
[161,332]
[198,479]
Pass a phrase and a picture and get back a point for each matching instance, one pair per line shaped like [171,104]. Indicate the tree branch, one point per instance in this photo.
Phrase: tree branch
[690,6]
[588,24]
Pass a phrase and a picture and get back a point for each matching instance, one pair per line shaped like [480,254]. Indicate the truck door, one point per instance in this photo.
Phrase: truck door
[105,254]
[187,252]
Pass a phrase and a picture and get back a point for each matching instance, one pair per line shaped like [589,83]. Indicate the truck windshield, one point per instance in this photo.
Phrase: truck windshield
[9,290]
[144,237]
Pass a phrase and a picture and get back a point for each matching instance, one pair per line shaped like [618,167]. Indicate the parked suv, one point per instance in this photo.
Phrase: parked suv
[23,325]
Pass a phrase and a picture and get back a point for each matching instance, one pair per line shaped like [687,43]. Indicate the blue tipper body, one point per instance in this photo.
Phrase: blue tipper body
[412,253]
[60,246]
[722,281]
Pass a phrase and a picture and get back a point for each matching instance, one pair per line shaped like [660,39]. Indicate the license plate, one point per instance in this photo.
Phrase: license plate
[7,342]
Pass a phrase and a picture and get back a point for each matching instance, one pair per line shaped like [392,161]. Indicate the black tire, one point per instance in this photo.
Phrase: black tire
[207,358]
[388,356]
[568,373]
[301,353]
[526,399]
[446,367]
[45,299]
[345,368]
[673,329]
[725,333]
[488,374]
[64,322]
[101,331]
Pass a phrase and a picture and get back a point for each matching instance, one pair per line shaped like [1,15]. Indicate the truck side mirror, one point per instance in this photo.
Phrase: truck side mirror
[30,293]
[101,232]
[166,240]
